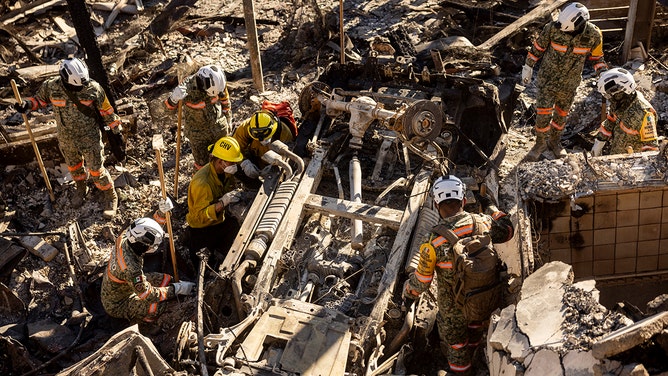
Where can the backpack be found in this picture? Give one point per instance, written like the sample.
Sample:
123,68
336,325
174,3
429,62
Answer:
283,111
477,289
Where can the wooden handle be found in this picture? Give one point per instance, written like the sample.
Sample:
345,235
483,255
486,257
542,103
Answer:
157,145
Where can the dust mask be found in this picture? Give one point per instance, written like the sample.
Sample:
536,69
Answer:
265,142
231,169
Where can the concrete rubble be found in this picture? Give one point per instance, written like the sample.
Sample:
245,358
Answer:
559,328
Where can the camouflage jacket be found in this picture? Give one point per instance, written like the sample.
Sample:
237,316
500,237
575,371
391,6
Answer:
436,255
563,55
125,277
200,111
73,124
253,149
204,191
631,122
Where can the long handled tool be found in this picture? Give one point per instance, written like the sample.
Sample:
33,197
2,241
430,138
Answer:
158,145
178,150
17,95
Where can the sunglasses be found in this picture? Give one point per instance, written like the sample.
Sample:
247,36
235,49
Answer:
260,133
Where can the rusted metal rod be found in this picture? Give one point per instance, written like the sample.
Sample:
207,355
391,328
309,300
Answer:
204,258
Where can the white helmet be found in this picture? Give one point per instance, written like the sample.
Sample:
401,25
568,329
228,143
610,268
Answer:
74,72
145,231
615,81
211,79
573,17
448,187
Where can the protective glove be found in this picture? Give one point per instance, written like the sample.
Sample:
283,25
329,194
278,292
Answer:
117,129
527,72
165,205
178,94
183,287
597,149
23,107
484,200
231,197
407,292
250,169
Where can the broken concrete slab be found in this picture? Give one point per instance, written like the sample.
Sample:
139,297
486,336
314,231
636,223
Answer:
49,336
579,363
630,336
545,363
39,247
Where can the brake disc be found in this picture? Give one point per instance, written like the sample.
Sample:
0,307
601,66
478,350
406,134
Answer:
183,341
308,101
422,118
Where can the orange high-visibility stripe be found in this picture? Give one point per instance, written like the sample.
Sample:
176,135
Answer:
169,106
544,129
114,124
439,241
560,111
459,346
604,131
458,368
557,126
544,110
538,46
196,106
559,47
581,50
533,57
444,265
58,102
424,278
600,66
119,253
627,130
75,167
166,279
103,187
464,230
111,276
153,308
144,294
86,102
612,117
649,148
95,173
107,112
498,214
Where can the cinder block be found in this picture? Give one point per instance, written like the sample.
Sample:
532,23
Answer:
605,220
649,231
663,262
626,234
605,267
607,252
605,236
605,203
624,266
651,199
647,263
583,269
560,240
648,248
649,216
582,254
628,201
560,224
563,255
625,250
627,217
586,222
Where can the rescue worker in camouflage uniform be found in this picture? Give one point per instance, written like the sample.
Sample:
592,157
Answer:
206,111
254,136
563,46
631,120
129,293
459,336
79,135
210,192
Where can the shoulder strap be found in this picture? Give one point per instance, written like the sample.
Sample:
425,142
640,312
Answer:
83,109
446,233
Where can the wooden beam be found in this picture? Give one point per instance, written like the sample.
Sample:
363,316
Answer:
355,210
545,7
638,26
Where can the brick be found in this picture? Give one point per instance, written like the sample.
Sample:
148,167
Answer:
582,254
582,239
627,218
586,222
560,224
626,234
648,248
647,263
605,220
604,236
650,216
663,262
606,252
605,203
663,246
583,269
587,203
625,250
628,201
649,232
563,255
664,214
651,199
560,240
605,267
623,266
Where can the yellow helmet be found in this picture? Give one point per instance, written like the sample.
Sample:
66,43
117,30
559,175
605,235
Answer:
263,125
227,149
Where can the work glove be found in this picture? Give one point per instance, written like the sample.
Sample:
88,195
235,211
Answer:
527,72
597,149
407,292
165,205
484,199
117,129
23,107
178,94
231,197
250,169
183,287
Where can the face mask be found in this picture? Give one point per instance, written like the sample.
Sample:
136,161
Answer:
265,142
231,169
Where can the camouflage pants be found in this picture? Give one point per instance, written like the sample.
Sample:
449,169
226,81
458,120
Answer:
135,309
459,337
552,106
90,151
200,139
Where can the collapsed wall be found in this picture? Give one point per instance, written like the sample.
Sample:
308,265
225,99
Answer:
559,328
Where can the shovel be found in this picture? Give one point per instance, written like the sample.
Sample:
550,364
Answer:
158,145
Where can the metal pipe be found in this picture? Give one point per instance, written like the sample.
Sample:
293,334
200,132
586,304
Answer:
273,158
400,338
355,172
279,147
143,362
337,176
204,257
237,289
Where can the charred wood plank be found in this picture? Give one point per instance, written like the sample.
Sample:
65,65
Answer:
355,210
174,11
